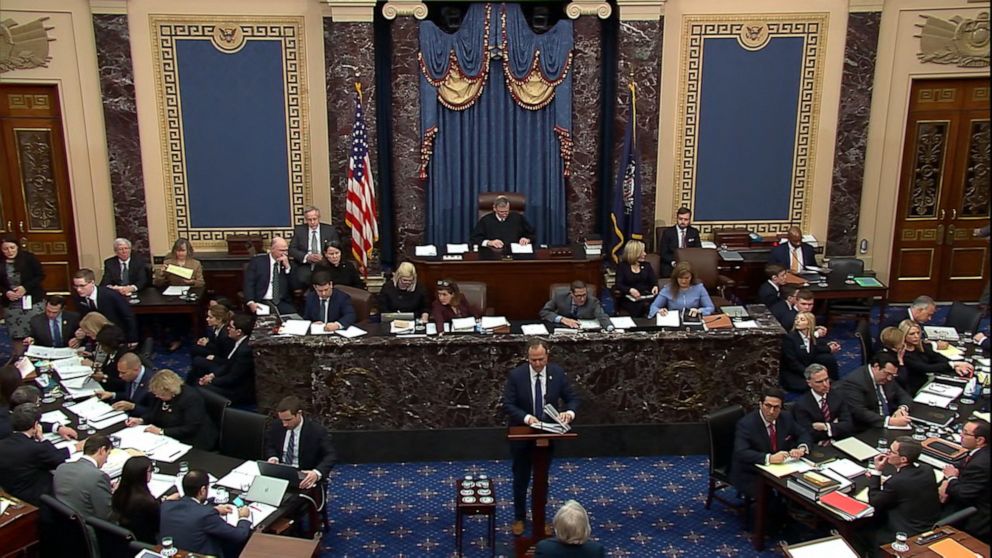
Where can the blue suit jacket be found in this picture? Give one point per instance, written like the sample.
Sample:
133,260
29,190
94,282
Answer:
339,308
142,398
199,528
751,445
518,394
781,255
257,277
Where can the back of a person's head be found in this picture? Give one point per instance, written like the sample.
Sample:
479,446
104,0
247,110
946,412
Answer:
25,394
111,336
95,443
134,482
24,417
194,481
572,523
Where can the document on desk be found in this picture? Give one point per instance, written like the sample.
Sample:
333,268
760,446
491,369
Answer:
241,476
951,352
56,416
834,547
108,421
87,389
493,322
170,451
67,373
160,484
589,325
516,248
623,322
425,250
745,324
534,329
25,367
184,272
175,290
670,319
942,333
257,513
351,332
136,438
92,408
50,353
790,466
463,325
456,248
857,449
845,467
295,327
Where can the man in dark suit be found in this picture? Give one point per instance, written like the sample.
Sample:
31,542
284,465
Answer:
125,272
765,436
81,484
236,379
680,235
874,399
302,443
90,298
785,309
823,413
306,246
908,501
56,327
528,388
27,461
135,398
200,528
794,255
968,485
982,341
502,227
267,278
769,291
29,393
325,305
567,308
920,311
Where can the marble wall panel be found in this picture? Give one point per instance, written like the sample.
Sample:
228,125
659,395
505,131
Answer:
852,133
408,198
120,113
586,122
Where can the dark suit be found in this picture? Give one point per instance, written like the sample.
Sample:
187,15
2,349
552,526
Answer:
140,396
4,421
26,466
971,488
299,248
137,272
112,305
236,379
907,502
782,255
257,278
510,230
795,359
858,390
806,411
785,314
752,445
315,450
561,306
893,319
339,309
185,419
518,402
670,245
219,344
42,333
553,548
768,294
199,528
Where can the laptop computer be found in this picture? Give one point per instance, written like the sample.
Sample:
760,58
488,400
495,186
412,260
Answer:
288,473
266,490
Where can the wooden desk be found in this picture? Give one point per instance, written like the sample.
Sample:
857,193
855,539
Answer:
19,529
924,551
264,545
153,302
516,289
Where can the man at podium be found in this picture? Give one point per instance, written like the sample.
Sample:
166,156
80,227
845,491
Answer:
528,387
502,227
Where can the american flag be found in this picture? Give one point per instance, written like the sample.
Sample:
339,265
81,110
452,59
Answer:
360,213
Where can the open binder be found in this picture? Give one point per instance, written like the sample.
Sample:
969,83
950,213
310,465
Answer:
558,427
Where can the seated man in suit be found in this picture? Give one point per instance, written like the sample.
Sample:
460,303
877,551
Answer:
90,298
56,327
528,388
81,484
769,291
502,227
785,309
794,255
236,379
267,278
968,485
907,502
302,443
824,414
577,304
874,399
305,247
325,305
135,398
920,311
765,436
29,393
125,272
679,235
200,528
26,460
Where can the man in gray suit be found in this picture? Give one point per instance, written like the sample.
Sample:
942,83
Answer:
81,484
566,309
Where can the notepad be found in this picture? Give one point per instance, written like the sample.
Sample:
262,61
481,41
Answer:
425,250
516,248
184,272
175,290
857,449
623,322
493,322
534,329
790,466
670,319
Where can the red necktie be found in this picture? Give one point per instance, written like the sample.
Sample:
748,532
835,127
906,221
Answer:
825,410
773,437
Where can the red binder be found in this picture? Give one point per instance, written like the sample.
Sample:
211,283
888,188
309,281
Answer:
845,503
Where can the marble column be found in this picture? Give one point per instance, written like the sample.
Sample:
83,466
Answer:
586,121
127,185
408,191
852,132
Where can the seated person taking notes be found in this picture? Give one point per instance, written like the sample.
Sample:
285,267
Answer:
502,227
636,279
683,292
178,412
567,308
304,444
451,303
325,305
765,436
197,527
404,294
874,399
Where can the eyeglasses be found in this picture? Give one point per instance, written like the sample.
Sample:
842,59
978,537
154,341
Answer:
771,407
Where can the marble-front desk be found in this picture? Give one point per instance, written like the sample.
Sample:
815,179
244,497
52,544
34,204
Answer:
455,381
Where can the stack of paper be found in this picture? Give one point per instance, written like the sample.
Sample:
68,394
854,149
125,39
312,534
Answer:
136,438
170,451
938,395
463,325
493,322
240,477
670,319
787,468
623,322
160,484
81,388
534,329
589,324
295,327
50,353
91,409
846,467
856,448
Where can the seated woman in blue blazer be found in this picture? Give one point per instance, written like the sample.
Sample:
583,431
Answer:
683,292
572,532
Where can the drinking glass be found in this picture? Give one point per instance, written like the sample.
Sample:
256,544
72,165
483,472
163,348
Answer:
168,551
900,545
882,445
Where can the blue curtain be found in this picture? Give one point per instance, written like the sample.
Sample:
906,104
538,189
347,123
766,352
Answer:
493,143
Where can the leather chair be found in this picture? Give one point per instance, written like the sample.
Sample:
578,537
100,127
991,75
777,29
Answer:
74,538
863,333
475,293
216,404
721,426
243,435
854,308
113,540
955,517
705,265
518,202
138,546
557,288
963,317
360,299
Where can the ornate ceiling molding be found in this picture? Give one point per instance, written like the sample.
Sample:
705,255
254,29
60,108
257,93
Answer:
396,8
361,11
641,10
577,8
24,46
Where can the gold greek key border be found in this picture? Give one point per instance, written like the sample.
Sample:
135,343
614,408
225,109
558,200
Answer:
812,28
289,31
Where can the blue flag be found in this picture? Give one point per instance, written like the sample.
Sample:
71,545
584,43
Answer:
625,218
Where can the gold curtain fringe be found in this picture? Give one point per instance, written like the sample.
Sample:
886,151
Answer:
427,150
565,150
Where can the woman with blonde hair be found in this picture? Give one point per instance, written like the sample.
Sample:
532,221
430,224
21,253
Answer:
572,532
404,293
179,412
921,360
800,348
635,279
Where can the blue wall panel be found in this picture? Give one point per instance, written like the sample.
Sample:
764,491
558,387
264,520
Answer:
234,127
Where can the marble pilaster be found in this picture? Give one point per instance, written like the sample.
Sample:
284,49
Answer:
586,121
408,191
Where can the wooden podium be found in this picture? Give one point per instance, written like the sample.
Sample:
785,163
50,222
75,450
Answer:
541,463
